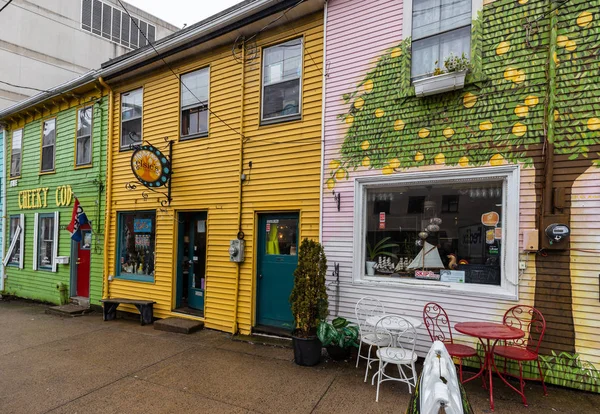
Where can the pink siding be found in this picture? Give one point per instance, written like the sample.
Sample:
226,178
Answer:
357,32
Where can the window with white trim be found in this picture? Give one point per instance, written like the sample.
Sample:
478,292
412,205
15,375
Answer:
439,28
83,148
48,145
436,229
45,241
14,255
131,117
194,103
16,153
282,81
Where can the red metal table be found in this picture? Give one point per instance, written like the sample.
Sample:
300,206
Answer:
487,332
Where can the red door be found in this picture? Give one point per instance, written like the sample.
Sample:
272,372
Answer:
83,262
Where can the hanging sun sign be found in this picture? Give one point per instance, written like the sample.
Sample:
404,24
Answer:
150,166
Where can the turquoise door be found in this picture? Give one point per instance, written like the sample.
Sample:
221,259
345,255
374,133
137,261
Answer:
277,260
191,271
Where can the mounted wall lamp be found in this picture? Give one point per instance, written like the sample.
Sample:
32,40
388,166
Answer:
336,198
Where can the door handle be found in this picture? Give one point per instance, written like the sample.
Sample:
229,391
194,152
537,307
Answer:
78,261
260,276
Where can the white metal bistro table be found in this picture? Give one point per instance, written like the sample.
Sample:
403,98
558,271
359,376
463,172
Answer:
394,325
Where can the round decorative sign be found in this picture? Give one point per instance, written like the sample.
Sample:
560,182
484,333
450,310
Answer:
150,166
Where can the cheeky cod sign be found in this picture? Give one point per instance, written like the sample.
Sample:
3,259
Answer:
150,166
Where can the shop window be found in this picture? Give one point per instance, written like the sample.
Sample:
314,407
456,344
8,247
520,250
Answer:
83,149
131,118
440,245
282,237
194,104
136,255
439,28
16,153
14,255
48,145
281,81
45,243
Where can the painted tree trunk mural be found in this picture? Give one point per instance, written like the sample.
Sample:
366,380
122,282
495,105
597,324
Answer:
531,98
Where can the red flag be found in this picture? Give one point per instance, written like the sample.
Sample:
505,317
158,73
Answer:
74,224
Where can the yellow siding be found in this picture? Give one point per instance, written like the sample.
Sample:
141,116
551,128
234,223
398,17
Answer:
285,173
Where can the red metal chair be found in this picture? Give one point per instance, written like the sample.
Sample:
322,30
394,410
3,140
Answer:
436,321
532,322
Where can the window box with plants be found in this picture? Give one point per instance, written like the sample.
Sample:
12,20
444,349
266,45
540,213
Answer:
444,80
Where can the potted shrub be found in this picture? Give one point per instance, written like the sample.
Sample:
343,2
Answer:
309,302
443,80
338,337
378,250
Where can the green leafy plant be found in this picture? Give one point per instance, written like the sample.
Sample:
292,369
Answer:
379,249
457,63
339,332
309,295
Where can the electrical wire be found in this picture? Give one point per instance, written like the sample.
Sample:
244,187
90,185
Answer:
23,87
6,5
179,77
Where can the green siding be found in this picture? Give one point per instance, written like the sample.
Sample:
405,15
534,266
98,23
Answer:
88,186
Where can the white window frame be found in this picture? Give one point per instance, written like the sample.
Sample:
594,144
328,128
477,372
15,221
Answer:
12,144
197,105
36,227
476,6
53,147
13,243
78,137
510,174
277,119
126,147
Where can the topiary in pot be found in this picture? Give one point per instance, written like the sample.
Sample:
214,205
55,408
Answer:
309,302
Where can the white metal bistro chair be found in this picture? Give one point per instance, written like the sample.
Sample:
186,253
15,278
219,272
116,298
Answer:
400,352
365,308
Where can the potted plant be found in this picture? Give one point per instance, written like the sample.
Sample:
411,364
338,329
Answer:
309,302
338,337
443,80
378,250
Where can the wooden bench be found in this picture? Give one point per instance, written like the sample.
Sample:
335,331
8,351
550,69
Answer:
109,308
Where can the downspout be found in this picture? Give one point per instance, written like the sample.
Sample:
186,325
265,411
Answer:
323,85
2,273
107,213
547,207
234,327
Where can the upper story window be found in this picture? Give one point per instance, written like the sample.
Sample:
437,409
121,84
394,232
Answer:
83,147
16,153
282,81
113,24
439,28
194,103
131,117
48,145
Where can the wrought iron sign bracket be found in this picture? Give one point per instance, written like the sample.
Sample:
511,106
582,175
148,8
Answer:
153,170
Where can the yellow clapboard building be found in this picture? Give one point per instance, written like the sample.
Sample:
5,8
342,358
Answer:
214,165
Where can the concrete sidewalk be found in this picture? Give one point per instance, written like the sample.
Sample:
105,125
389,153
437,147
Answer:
85,365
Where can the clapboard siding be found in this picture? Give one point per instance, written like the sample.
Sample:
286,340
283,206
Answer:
45,285
285,171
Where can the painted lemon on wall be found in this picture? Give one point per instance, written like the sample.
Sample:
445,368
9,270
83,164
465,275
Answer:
399,125
359,103
593,124
387,170
522,111
340,174
439,159
396,52
364,145
349,120
561,40
519,129
379,113
532,100
330,183
366,161
496,160
556,115
367,86
485,126
570,45
448,132
334,164
503,47
469,100
463,161
419,156
423,133
584,19
395,163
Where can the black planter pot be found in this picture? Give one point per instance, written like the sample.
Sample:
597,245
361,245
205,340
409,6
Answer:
307,351
337,353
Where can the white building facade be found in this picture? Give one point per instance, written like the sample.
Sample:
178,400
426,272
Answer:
49,42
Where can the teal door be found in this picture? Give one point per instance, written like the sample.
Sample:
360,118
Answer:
277,260
191,269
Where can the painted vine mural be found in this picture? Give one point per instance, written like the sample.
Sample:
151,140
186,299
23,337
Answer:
533,83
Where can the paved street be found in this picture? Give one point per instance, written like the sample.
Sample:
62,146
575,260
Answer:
50,364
